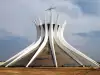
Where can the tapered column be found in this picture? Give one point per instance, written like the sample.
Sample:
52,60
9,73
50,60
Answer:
42,45
28,50
51,40
73,49
21,52
59,43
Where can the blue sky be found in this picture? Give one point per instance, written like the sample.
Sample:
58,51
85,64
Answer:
82,29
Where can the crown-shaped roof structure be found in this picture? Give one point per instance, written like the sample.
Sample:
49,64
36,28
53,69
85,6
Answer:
50,49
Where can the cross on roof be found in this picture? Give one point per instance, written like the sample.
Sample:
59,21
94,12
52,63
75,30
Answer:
51,8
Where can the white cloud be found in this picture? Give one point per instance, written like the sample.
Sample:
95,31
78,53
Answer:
16,16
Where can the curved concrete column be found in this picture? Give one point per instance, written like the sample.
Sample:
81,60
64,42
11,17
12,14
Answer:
51,40
30,49
59,43
42,45
73,49
38,36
